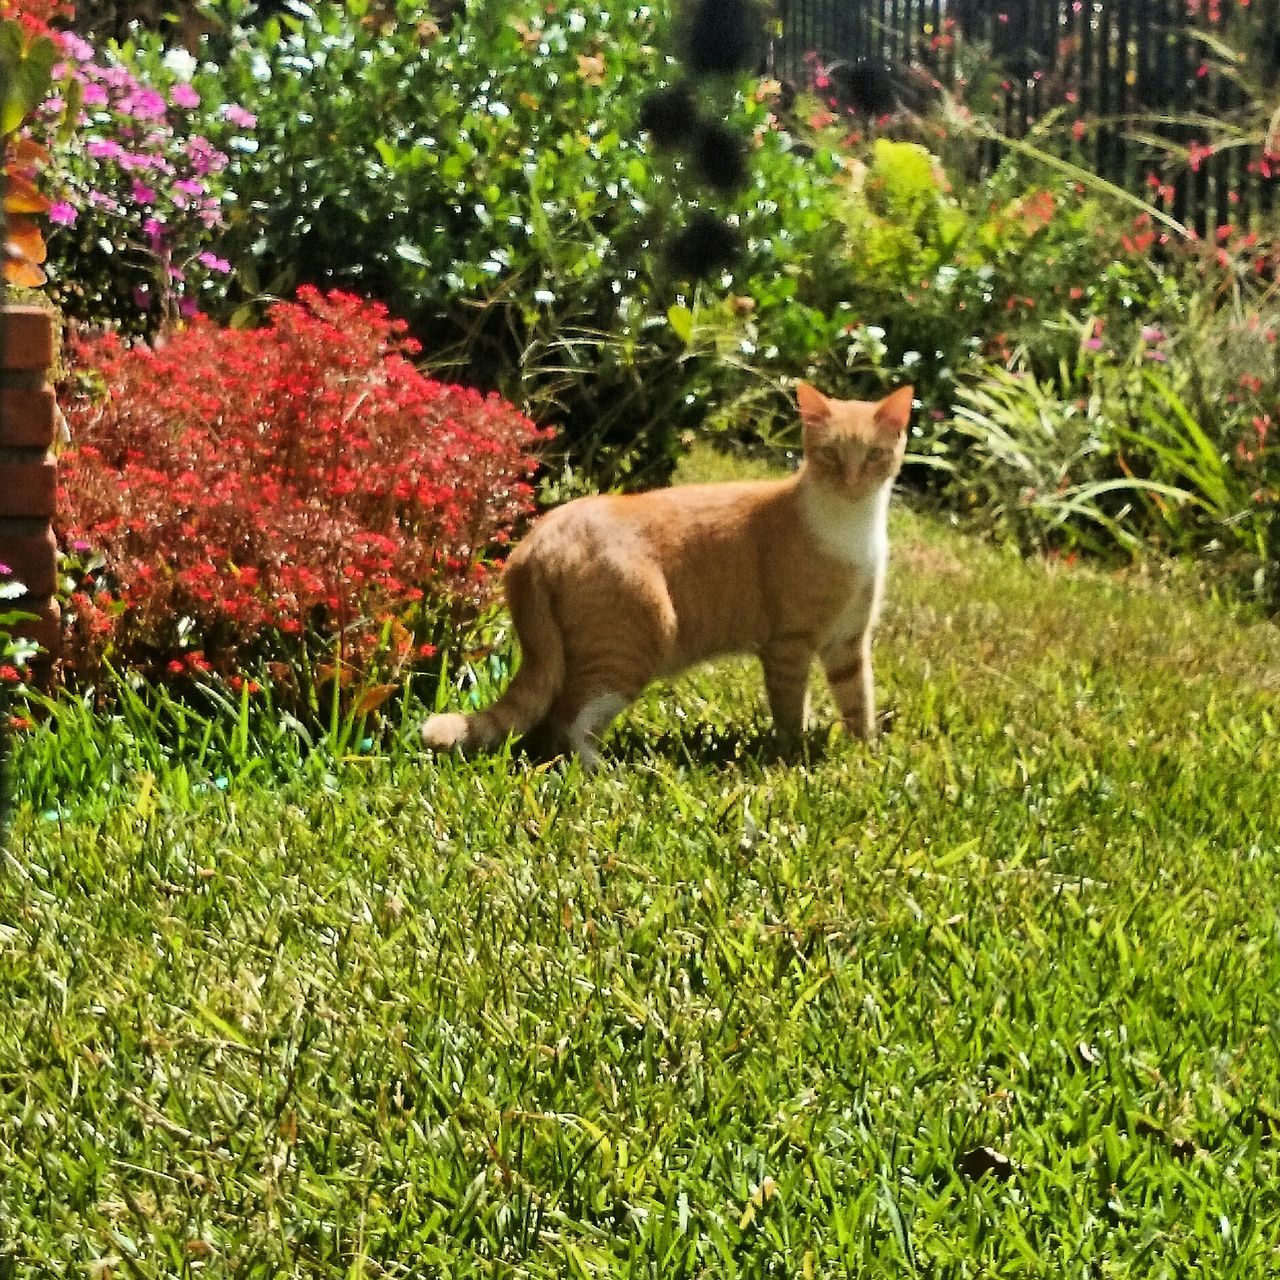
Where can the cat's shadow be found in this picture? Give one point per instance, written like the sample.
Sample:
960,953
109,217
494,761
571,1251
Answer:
716,745
693,744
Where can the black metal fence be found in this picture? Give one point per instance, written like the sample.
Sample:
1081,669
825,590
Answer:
1119,73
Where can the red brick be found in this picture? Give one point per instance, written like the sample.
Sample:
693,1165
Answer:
27,337
28,488
26,418
32,559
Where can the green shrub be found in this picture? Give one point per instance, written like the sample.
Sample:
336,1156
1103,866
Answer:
491,184
1113,452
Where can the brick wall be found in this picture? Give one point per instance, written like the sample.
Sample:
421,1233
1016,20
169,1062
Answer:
28,473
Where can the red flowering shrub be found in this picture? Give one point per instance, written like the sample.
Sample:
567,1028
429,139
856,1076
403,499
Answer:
234,493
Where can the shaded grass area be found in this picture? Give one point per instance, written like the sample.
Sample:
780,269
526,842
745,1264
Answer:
709,1012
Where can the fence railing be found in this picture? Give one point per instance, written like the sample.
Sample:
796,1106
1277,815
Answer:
1140,86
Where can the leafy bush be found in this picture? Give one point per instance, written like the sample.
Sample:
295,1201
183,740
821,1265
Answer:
27,54
230,495
511,216
517,219
1115,451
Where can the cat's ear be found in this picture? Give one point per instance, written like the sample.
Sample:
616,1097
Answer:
815,411
893,413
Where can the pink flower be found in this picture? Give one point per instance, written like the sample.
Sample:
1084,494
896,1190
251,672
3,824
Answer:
204,156
93,95
104,149
62,214
117,78
239,117
143,104
183,95
1151,334
142,193
1159,356
214,263
74,46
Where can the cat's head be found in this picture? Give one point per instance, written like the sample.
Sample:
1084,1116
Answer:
854,446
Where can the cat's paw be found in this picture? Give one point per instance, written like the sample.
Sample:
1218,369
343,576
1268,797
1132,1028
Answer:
444,732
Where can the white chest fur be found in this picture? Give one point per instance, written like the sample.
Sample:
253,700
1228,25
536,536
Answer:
854,531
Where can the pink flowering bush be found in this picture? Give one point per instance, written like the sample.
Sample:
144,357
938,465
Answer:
138,193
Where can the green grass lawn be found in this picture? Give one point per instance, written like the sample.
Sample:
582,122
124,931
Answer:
709,1012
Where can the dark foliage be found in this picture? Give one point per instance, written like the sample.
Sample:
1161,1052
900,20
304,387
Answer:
869,88
722,37
706,245
670,116
720,157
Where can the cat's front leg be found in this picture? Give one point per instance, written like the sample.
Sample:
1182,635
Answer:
786,680
848,668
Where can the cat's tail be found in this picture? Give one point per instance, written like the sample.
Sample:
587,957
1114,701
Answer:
529,696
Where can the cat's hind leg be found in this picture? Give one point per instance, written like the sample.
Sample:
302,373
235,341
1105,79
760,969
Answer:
626,640
584,732
599,686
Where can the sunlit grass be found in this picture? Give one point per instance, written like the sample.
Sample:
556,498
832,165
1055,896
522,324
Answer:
708,1012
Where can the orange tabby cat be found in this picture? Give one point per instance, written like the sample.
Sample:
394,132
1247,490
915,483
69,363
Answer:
608,593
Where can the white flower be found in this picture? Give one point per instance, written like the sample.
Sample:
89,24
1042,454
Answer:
181,63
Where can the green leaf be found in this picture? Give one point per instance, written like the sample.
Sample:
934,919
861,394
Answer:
29,81
681,321
73,95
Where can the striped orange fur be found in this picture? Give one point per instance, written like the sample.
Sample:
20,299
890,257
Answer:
608,593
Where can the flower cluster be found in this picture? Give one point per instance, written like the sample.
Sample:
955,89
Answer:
237,492
134,181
